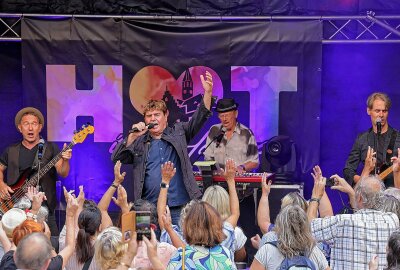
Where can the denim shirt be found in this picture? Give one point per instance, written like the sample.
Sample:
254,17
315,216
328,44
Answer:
179,135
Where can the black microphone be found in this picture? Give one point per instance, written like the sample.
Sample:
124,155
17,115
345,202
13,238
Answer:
379,125
149,126
40,149
219,137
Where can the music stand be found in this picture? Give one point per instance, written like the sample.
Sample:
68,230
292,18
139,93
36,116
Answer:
207,168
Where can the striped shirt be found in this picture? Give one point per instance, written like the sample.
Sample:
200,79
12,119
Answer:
355,238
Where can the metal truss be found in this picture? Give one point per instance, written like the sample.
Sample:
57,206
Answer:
336,29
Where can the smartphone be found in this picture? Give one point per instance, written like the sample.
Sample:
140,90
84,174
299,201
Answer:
143,224
128,225
330,182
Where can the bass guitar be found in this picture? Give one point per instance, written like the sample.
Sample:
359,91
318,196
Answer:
31,179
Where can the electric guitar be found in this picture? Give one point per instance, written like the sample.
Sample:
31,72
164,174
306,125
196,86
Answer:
30,179
385,173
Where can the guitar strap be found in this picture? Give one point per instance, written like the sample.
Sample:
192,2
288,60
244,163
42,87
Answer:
389,151
13,164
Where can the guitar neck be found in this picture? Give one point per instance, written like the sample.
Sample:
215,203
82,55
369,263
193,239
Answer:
34,180
385,173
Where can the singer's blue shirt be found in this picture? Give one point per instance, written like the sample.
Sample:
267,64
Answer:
161,151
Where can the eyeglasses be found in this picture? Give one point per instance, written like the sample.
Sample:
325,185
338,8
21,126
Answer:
33,124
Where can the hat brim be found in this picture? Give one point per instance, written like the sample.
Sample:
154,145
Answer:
28,110
228,109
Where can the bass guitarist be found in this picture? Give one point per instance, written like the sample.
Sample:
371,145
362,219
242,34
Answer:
26,154
380,143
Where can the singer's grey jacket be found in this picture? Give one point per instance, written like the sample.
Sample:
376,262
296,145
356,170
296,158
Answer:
178,136
359,152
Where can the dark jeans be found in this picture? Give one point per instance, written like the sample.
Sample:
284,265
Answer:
51,221
176,214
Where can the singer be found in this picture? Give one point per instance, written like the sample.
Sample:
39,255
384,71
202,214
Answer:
147,149
376,146
25,154
232,140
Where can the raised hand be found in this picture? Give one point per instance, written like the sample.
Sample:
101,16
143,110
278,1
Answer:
118,176
207,82
396,161
37,201
122,199
370,161
167,172
317,173
266,187
230,170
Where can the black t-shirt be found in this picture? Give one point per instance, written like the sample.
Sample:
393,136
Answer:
7,262
26,158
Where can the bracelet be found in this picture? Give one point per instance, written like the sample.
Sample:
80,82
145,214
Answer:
124,264
315,200
114,185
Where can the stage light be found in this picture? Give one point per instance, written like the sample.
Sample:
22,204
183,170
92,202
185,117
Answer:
279,157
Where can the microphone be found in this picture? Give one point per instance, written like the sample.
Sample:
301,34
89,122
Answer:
379,125
219,137
149,126
40,149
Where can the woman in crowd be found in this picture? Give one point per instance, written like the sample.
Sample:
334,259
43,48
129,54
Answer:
293,238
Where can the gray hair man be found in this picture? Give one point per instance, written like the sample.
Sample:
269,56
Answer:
33,252
354,238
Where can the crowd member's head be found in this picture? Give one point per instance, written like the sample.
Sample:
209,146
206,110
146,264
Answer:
389,203
395,192
27,227
89,222
33,252
227,112
156,111
29,121
218,197
378,105
294,198
184,212
393,251
144,205
109,248
203,226
294,231
11,219
368,192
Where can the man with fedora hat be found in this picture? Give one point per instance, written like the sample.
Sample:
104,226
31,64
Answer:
231,139
24,155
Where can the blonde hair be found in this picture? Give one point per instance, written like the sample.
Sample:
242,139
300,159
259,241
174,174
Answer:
294,232
109,248
218,197
155,105
379,95
296,199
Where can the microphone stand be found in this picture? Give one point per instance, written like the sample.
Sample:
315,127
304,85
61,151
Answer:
208,145
376,146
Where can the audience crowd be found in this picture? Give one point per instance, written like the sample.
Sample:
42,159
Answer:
306,234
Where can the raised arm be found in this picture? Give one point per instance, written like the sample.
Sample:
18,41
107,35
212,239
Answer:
342,185
317,193
71,211
229,174
167,172
107,197
325,206
207,83
263,215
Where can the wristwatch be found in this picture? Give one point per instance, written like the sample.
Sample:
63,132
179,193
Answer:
164,185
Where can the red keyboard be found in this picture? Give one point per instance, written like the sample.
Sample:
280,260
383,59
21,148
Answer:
245,179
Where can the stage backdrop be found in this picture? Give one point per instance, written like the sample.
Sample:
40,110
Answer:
104,70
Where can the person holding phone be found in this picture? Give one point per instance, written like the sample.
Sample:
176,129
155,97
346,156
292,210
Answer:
146,149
